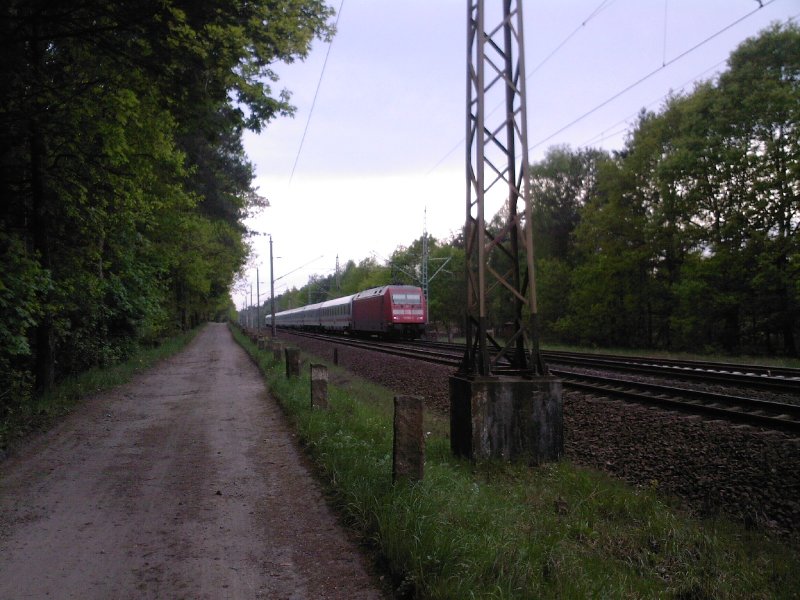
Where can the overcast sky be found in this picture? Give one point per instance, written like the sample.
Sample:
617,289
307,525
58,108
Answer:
385,140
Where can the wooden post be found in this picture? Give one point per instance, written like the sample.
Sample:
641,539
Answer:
336,356
292,362
319,386
408,449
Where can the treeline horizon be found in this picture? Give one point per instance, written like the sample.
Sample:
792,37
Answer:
687,239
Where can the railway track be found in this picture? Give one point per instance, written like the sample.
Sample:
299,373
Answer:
751,411
775,379
732,407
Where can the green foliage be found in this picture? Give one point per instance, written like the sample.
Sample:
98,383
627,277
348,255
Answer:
22,283
447,288
688,239
357,277
561,185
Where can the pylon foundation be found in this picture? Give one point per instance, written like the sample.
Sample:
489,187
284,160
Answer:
508,418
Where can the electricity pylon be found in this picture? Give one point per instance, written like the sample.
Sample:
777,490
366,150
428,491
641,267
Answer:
497,166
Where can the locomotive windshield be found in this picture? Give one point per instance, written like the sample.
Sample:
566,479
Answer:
406,299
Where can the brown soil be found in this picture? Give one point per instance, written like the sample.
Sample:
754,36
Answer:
185,483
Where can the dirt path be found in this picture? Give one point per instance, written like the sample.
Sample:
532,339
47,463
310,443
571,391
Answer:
184,483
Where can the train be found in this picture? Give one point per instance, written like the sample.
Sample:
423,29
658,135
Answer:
389,311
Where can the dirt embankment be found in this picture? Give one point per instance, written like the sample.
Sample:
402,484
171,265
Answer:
185,483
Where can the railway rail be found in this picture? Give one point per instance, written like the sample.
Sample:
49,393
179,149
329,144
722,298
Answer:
752,411
776,379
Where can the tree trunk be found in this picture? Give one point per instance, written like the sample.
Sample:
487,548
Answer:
45,361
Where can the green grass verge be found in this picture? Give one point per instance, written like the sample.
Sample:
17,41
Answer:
493,530
41,412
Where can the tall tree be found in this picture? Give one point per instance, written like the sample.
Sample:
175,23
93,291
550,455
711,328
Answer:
690,239
760,112
561,184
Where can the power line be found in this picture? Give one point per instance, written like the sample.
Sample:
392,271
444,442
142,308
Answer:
664,50
314,101
604,135
600,8
649,75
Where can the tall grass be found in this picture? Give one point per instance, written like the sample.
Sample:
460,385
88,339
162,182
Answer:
42,411
494,530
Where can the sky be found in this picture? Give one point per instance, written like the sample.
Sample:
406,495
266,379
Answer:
381,157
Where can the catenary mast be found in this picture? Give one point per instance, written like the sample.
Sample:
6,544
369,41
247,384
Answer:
503,404
497,164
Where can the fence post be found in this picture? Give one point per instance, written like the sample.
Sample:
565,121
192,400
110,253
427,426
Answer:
292,362
277,351
319,386
408,448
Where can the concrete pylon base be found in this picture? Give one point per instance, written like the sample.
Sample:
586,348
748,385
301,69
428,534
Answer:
508,418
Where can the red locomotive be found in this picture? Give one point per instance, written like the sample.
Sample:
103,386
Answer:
388,311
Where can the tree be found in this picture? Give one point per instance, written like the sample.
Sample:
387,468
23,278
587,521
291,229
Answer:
607,302
690,238
760,110
447,289
561,184
122,165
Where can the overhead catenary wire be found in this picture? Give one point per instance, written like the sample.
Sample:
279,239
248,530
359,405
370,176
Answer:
598,9
604,134
650,74
665,63
316,93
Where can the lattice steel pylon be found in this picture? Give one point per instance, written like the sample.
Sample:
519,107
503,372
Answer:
497,157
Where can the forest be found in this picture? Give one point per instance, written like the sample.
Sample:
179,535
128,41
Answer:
124,181
686,239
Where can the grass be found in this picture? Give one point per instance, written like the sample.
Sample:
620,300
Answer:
42,411
494,530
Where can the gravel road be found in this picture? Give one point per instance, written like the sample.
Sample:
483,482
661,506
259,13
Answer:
185,483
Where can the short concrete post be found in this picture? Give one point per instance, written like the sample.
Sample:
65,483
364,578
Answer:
336,356
319,386
261,343
292,362
277,351
408,449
